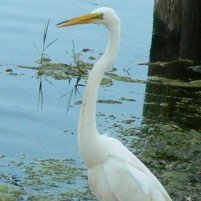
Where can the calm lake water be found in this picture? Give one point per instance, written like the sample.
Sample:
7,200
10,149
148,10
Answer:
36,135
23,123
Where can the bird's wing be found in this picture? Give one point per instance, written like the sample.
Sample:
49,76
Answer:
129,183
124,182
129,179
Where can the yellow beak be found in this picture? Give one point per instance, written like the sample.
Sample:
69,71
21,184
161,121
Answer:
84,19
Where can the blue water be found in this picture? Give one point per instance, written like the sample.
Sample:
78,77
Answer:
47,130
24,127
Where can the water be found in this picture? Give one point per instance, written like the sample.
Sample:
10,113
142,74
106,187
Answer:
39,137
26,130
23,124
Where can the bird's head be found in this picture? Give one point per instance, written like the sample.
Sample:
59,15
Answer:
103,15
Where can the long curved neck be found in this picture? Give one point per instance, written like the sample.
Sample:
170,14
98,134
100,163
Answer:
87,123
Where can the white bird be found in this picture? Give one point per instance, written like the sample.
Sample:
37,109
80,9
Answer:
114,173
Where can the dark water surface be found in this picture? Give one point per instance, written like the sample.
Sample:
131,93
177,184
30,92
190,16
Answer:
39,156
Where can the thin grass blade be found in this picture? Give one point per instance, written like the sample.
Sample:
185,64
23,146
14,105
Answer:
51,43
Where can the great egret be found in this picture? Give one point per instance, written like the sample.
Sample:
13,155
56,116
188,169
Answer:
114,173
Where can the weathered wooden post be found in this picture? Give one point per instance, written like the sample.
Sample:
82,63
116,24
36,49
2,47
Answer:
175,54
173,95
176,31
166,30
190,43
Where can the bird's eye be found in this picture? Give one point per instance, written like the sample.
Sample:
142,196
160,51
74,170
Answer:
101,15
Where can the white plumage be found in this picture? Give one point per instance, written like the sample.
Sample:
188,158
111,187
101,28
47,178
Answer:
114,173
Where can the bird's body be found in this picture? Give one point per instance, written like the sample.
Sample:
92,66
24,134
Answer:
114,173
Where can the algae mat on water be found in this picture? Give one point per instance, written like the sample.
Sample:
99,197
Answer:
172,153
42,180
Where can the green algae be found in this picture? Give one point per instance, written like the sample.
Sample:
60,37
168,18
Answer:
173,82
106,82
123,78
175,155
78,102
92,58
171,152
86,50
195,83
179,62
127,99
11,192
9,70
45,179
109,101
106,101
61,71
51,172
128,121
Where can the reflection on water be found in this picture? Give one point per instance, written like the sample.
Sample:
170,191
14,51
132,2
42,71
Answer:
177,103
172,113
181,105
